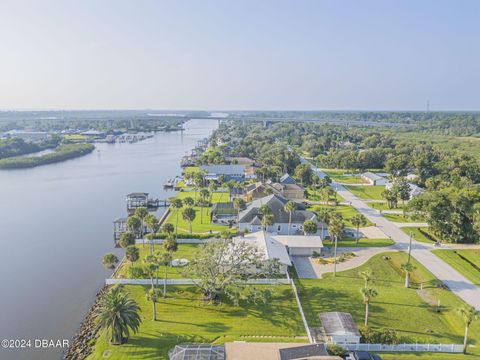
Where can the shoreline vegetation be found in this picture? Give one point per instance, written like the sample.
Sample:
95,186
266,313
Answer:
61,153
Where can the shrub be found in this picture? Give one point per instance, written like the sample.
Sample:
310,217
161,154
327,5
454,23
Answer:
336,350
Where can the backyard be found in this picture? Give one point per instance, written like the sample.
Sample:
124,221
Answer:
185,251
184,318
411,312
201,224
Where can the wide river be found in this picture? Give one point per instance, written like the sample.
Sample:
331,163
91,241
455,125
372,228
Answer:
56,224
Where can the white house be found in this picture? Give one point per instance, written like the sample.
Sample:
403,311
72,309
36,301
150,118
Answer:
373,179
340,328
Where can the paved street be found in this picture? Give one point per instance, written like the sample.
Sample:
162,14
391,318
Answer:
460,285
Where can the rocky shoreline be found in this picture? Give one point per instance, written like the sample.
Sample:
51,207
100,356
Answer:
83,341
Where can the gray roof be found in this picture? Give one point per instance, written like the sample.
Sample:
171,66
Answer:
339,323
197,352
223,169
135,194
372,176
287,179
303,352
276,204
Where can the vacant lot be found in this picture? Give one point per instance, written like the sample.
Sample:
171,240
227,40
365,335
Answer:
343,176
347,211
410,312
184,318
367,192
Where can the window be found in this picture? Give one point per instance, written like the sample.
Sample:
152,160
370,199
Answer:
279,227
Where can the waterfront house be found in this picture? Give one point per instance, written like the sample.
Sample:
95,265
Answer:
373,179
293,245
242,350
119,227
229,172
250,218
339,328
137,199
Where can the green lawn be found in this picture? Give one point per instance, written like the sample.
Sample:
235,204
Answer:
402,219
363,242
201,224
384,206
340,175
347,212
417,234
183,318
464,261
367,192
185,251
411,313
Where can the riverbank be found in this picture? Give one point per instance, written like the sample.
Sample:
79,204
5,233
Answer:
83,341
61,153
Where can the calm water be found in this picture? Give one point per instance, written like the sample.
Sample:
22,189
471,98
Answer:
56,224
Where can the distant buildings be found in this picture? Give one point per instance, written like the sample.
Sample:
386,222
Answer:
29,136
373,179
230,172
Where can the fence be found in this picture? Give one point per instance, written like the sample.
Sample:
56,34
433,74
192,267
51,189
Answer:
179,241
187,281
304,319
447,348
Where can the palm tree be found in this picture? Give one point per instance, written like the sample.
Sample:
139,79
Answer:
110,260
267,220
238,204
469,314
154,226
188,201
131,253
324,217
118,314
335,229
367,276
141,213
126,239
203,199
154,295
177,205
188,214
134,224
151,266
290,207
168,228
170,244
368,295
165,258
407,268
309,227
357,221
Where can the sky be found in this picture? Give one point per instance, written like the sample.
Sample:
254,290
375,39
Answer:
240,55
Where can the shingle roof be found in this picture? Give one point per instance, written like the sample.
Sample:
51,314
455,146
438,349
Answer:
302,352
271,248
276,204
372,176
339,323
287,179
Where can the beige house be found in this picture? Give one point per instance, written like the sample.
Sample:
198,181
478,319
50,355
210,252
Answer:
240,350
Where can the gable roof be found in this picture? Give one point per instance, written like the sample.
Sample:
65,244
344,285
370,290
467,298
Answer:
287,179
271,248
372,176
276,204
339,323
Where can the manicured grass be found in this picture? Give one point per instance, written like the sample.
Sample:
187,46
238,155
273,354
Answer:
347,211
191,170
384,206
410,312
417,234
362,242
402,219
367,192
184,318
185,251
340,175
202,223
464,261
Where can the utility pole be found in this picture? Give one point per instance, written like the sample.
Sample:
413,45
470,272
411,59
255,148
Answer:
410,248
335,258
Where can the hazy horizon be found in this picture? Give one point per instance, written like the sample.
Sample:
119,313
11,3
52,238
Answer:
238,56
